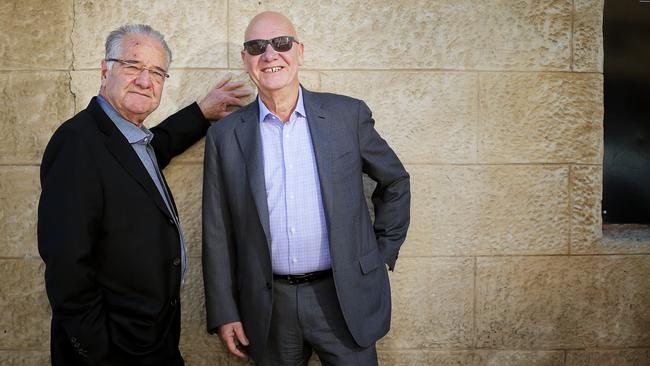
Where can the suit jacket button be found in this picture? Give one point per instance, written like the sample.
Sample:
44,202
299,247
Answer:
176,261
173,302
268,285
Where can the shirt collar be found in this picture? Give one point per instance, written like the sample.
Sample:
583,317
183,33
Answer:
133,133
265,112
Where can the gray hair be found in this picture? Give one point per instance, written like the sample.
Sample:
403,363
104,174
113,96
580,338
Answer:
114,40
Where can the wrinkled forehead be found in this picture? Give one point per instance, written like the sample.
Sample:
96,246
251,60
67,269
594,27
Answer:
268,27
144,49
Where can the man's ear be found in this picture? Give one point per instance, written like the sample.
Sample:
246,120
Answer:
242,56
301,54
104,73
104,70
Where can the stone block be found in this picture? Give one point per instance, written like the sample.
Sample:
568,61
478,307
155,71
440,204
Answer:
541,118
588,36
197,346
33,105
35,34
465,35
19,193
194,334
471,358
621,239
516,358
235,361
25,358
619,357
488,210
186,184
563,302
196,34
205,358
432,304
586,218
465,358
426,117
84,85
25,319
427,357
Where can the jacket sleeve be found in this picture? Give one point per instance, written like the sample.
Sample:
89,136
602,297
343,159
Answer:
218,243
178,132
391,197
68,213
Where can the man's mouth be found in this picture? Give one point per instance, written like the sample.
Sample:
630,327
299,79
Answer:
142,94
273,69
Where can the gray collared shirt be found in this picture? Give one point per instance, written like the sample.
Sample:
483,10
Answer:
140,139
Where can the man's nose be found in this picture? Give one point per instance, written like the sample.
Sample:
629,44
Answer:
144,79
269,53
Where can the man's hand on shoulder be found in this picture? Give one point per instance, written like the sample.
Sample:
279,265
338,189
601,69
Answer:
227,92
233,336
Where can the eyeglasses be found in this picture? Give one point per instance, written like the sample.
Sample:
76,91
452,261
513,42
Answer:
134,68
280,44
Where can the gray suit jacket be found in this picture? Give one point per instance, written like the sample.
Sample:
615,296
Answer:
237,269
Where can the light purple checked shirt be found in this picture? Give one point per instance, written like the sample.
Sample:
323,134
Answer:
299,237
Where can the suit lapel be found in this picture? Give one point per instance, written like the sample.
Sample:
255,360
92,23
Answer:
320,126
250,143
117,145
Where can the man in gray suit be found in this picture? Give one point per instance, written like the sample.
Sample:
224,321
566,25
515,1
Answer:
292,262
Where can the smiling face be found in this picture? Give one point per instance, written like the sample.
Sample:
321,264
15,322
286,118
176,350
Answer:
273,71
134,97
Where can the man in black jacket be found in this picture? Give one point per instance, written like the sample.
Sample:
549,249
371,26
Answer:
108,228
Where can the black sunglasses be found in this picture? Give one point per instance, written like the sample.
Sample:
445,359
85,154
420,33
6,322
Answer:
280,44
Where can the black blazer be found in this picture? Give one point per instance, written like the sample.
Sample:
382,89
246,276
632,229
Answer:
110,245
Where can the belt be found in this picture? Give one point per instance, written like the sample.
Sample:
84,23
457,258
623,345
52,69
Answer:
296,279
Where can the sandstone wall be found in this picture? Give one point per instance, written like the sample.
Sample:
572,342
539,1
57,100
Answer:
494,106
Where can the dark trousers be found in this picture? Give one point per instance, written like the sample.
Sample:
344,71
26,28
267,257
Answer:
307,318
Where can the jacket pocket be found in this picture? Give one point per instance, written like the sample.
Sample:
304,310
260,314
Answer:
370,261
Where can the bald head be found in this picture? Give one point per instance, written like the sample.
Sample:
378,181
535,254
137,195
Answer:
274,71
269,22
